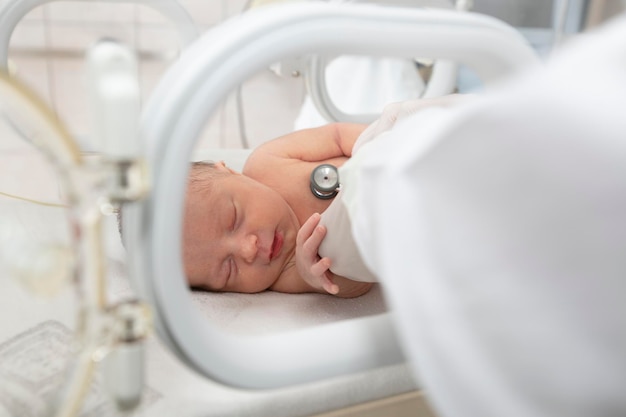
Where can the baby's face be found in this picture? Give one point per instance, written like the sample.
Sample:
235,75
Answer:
238,236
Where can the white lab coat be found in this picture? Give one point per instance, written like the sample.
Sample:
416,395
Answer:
498,230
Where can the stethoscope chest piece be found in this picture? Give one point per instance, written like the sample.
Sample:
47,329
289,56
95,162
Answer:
325,181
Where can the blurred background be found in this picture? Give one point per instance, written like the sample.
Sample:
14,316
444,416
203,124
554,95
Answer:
48,45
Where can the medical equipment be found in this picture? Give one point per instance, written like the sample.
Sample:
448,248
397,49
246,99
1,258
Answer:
105,331
330,84
336,102
324,181
176,113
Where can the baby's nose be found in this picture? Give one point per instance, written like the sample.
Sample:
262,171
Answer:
249,248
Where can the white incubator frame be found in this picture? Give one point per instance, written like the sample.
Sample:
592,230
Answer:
173,119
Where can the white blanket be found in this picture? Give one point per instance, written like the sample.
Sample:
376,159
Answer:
339,243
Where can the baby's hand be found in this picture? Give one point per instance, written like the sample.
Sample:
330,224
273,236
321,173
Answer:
313,269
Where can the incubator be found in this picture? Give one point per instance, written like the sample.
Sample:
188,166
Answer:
184,100
143,171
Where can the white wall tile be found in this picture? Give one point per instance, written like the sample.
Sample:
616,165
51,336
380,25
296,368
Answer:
150,73
35,14
69,95
91,11
166,15
29,35
206,13
211,135
28,174
33,72
80,37
163,40
271,105
150,15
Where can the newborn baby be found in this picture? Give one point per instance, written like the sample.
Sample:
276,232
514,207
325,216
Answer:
260,229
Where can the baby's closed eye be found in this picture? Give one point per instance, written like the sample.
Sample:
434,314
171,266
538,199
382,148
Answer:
233,223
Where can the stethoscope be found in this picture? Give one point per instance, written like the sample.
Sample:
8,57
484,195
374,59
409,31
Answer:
325,181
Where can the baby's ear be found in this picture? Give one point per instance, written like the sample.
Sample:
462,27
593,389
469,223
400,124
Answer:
222,165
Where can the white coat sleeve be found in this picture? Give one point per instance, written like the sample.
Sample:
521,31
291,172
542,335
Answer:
498,231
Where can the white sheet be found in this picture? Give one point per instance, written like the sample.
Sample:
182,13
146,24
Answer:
499,231
339,243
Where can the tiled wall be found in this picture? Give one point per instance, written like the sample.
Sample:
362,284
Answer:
48,45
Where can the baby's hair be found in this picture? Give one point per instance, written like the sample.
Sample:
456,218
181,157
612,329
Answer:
201,176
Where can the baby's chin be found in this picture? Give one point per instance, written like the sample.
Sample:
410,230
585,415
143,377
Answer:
289,244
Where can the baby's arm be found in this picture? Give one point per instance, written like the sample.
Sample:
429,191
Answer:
315,270
323,143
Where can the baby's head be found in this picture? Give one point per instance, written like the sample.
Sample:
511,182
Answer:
238,234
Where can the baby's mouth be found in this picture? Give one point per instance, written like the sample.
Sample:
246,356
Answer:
277,245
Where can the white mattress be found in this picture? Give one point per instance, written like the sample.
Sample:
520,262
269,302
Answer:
184,391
